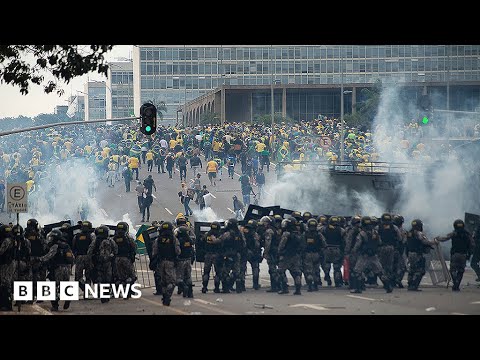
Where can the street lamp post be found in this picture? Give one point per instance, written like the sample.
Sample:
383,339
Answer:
342,127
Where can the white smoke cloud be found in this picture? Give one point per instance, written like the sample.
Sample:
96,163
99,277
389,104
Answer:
206,215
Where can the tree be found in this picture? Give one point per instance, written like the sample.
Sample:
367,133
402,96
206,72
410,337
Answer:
161,107
367,109
209,118
63,62
267,119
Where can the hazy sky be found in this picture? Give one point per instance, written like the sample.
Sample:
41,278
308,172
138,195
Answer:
13,103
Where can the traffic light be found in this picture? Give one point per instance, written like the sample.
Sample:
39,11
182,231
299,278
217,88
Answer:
148,115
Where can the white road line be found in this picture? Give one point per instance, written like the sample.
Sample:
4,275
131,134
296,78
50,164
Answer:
361,297
205,302
237,174
310,306
41,310
104,212
233,212
169,211
213,196
178,311
475,302
154,196
119,195
266,192
457,313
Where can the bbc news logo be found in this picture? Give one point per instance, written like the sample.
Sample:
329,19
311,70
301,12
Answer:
23,290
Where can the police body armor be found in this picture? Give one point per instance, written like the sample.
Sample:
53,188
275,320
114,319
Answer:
460,242
333,236
22,251
82,242
370,246
414,244
250,238
230,244
8,256
166,247
123,244
186,247
355,233
210,247
291,246
35,243
64,255
312,242
388,235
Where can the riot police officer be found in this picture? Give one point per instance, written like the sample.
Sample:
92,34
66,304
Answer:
212,256
59,260
417,246
391,238
271,239
165,250
314,245
185,260
80,244
462,248
23,267
335,237
233,244
253,252
102,252
7,267
400,266
351,239
124,269
38,246
289,250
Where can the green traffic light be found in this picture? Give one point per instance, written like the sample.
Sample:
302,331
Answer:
148,128
425,120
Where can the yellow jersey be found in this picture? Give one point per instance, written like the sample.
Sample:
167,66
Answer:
260,147
212,166
149,155
29,184
172,143
133,162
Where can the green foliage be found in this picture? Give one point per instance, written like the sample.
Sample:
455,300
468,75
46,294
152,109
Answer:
267,119
63,62
161,107
209,118
367,109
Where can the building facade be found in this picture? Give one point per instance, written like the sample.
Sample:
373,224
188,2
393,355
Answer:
95,100
120,90
179,74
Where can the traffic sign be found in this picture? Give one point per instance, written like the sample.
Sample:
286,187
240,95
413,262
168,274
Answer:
325,142
17,198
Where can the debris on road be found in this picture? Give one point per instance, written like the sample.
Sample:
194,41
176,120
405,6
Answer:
195,313
372,312
430,309
187,303
263,306
220,300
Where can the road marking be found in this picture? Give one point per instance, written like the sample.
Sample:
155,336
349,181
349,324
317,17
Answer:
154,196
213,196
475,302
361,297
165,307
169,211
104,212
118,195
224,312
233,212
205,302
457,313
266,192
41,310
310,306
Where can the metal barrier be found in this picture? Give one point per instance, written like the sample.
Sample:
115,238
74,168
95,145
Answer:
437,267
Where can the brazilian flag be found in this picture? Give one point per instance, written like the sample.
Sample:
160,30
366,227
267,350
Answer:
139,239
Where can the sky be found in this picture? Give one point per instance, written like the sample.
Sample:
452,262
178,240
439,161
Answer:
13,103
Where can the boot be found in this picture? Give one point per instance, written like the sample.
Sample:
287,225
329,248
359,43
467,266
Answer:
310,287
275,287
217,289
225,287
204,287
256,285
328,280
284,288
315,286
55,305
356,286
387,286
66,305
297,289
400,285
166,301
238,284
180,288
190,291
242,286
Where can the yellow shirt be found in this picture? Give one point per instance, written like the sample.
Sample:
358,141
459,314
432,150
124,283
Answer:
149,155
31,174
88,149
68,145
216,145
107,150
212,166
29,184
133,162
172,143
34,162
115,158
6,157
260,147
64,153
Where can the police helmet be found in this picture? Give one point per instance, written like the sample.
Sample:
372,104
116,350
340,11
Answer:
367,221
356,220
333,221
166,226
251,224
342,221
386,218
5,231
56,235
278,219
417,224
459,224
155,223
286,223
266,220
398,220
32,224
297,215
102,232
307,215
122,227
374,220
312,224
215,225
182,230
86,225
231,224
181,221
17,230
65,226
322,219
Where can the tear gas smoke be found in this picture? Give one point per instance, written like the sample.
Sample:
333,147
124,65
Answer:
206,215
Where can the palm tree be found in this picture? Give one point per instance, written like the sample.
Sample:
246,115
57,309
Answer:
161,107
